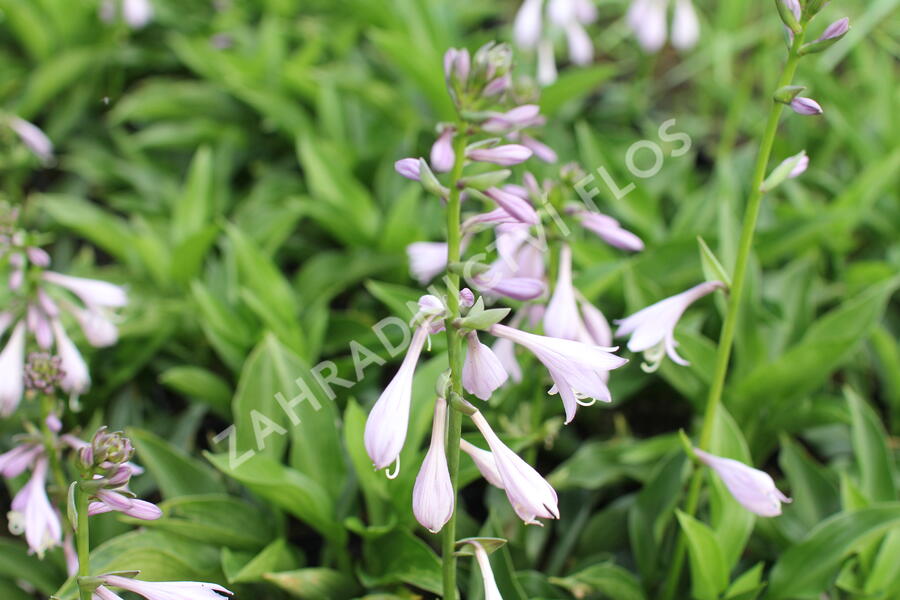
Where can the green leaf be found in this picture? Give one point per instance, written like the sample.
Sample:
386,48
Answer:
573,84
400,557
712,268
709,574
176,473
806,569
870,448
286,488
315,584
748,585
193,209
277,556
814,493
607,579
200,384
16,563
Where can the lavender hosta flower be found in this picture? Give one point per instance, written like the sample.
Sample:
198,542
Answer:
408,167
491,592
97,327
800,167
442,156
520,116
836,30
505,155
482,371
485,462
541,150
571,16
137,13
609,230
387,423
652,329
546,63
433,497
160,590
76,378
581,50
33,515
753,489
70,554
517,288
528,24
12,371
529,494
647,20
39,325
805,106
427,260
596,327
92,292
457,65
518,208
112,500
33,138
578,370
15,461
561,319
38,256
685,25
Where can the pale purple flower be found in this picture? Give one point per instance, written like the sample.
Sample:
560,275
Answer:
12,371
466,298
113,500
541,150
389,419
98,329
596,327
427,260
408,167
498,85
482,371
517,288
485,462
753,489
652,329
33,515
805,106
161,590
92,292
527,25
457,64
529,494
76,378
577,369
570,16
35,139
38,256
561,319
647,19
505,155
137,13
442,156
70,554
39,325
581,50
518,208
609,230
520,116
800,167
546,63
14,462
685,25
794,6
433,496
835,30
491,592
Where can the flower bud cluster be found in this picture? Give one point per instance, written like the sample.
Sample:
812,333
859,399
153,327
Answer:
43,373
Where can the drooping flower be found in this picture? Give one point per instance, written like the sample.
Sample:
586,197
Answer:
442,156
517,288
753,489
482,371
160,590
33,515
433,497
76,378
505,155
14,462
805,106
113,500
609,230
515,118
93,292
137,13
485,462
491,592
33,138
561,319
98,328
528,24
518,208
647,19
652,329
529,494
387,423
12,371
578,370
427,260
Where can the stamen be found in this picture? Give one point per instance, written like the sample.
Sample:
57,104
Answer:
396,472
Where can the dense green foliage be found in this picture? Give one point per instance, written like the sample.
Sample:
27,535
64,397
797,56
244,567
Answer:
232,165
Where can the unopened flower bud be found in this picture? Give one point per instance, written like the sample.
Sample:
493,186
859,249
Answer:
805,106
832,34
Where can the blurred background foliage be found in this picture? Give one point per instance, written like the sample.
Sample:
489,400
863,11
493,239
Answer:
231,163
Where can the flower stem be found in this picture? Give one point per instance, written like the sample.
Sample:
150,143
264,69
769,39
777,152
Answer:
59,477
726,338
455,355
83,538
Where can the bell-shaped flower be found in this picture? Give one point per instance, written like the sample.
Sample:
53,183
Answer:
33,138
442,156
753,489
389,419
137,13
160,590
33,515
485,462
96,325
561,319
14,462
118,501
92,292
491,592
529,494
647,19
596,328
76,378
578,370
505,155
517,288
12,371
609,230
527,25
433,495
482,371
652,329
685,25
39,325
